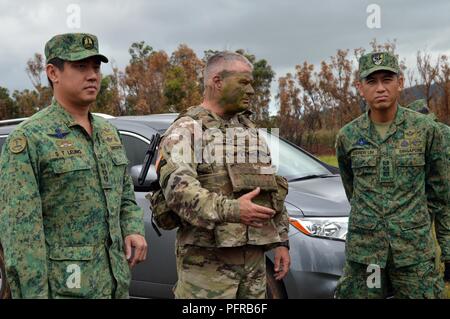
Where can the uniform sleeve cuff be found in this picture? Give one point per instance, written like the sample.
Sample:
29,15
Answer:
231,211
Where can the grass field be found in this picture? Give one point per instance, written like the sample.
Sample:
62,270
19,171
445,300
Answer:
329,159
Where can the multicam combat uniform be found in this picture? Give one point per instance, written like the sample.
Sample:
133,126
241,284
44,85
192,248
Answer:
394,185
66,206
217,256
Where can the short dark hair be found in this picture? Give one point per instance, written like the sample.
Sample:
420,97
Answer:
59,64
222,61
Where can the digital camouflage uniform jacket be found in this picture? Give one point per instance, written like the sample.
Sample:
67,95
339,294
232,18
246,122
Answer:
394,186
66,206
201,194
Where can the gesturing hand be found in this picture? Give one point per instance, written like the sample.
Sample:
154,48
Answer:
252,214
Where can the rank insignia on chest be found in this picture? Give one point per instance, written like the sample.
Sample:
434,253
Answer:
404,143
386,170
59,134
64,144
410,133
111,139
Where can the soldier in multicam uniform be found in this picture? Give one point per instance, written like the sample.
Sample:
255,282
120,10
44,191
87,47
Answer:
394,174
69,222
228,212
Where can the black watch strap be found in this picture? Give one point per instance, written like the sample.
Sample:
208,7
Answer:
284,244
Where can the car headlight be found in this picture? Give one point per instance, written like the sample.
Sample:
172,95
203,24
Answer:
326,227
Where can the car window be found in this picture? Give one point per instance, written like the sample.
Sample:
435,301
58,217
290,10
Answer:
135,149
290,161
2,141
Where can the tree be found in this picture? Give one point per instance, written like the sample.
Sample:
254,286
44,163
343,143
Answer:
427,73
139,52
290,109
183,86
144,82
27,102
43,94
443,83
8,109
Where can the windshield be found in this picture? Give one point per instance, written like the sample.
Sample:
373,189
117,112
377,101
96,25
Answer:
290,161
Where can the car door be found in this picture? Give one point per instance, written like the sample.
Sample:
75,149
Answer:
155,277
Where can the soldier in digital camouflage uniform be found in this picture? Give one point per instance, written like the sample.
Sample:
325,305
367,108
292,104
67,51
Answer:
68,216
422,107
394,173
228,213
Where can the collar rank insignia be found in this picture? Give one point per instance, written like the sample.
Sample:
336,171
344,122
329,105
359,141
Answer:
59,133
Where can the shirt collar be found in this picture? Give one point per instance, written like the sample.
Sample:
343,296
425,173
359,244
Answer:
65,117
399,118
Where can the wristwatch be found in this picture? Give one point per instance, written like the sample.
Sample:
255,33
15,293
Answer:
284,244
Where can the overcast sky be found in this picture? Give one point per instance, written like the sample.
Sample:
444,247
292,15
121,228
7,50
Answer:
285,32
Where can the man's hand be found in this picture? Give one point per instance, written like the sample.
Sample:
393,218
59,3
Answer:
140,249
252,214
282,262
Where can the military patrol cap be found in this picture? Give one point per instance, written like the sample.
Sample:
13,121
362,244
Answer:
377,61
73,47
419,106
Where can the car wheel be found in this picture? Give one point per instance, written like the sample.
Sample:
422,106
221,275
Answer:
4,289
275,288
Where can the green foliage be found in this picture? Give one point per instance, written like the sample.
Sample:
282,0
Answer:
139,51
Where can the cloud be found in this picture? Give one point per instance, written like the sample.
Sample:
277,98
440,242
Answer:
285,32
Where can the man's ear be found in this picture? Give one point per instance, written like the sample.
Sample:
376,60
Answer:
217,80
52,73
401,82
359,87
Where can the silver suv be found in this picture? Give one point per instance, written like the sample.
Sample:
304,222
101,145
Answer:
316,203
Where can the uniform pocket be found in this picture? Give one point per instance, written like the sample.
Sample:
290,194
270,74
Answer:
69,173
216,182
69,165
410,170
416,220
362,221
119,158
72,272
361,163
365,170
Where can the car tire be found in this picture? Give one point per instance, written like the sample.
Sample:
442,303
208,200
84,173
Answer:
4,289
275,288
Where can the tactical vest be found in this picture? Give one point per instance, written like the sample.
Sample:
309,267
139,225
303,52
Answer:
232,180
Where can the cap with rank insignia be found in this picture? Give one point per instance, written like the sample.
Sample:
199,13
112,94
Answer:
377,61
73,47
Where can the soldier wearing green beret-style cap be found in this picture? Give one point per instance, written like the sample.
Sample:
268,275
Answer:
394,174
70,226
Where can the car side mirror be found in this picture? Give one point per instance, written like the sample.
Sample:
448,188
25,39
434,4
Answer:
135,171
